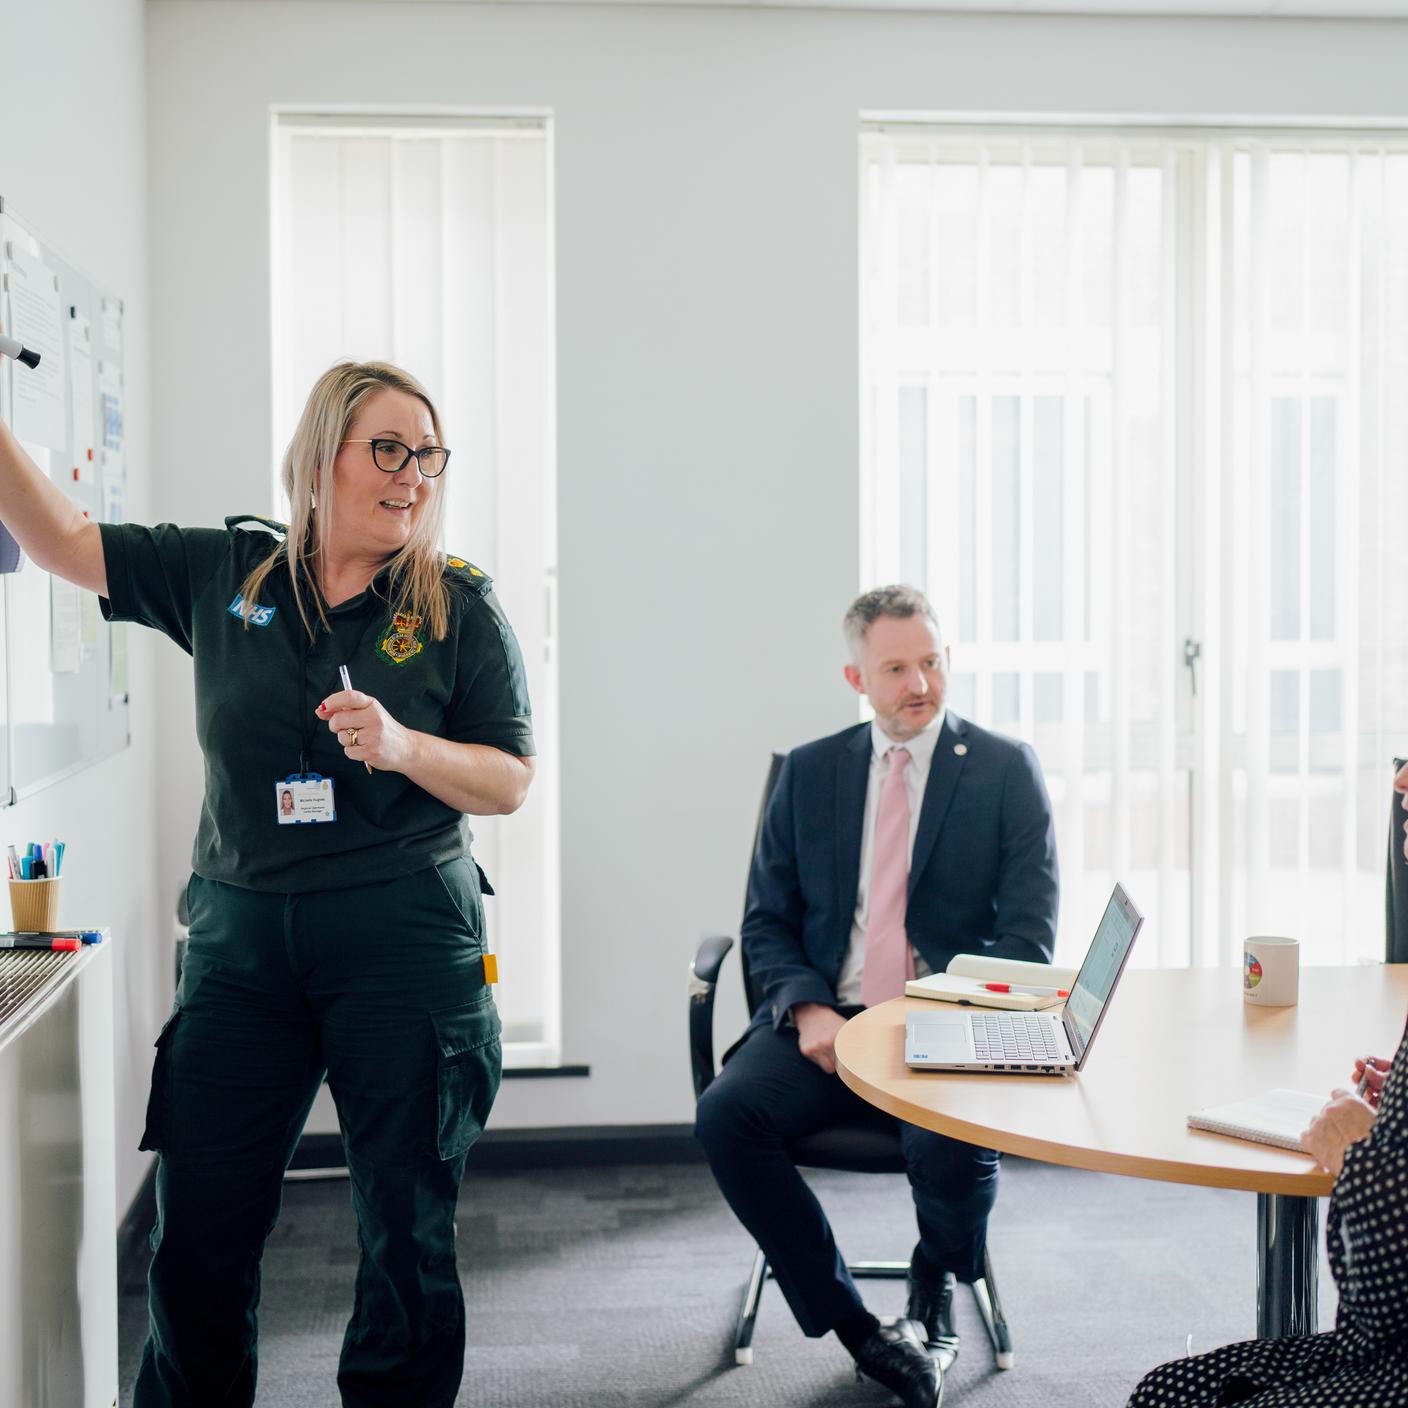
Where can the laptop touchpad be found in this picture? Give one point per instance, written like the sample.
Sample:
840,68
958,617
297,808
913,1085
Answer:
943,1041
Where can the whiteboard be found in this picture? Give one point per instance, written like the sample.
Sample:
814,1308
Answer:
65,699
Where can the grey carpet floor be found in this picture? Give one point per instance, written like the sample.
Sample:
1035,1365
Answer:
618,1288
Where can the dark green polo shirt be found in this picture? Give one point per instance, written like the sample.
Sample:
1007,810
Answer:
252,716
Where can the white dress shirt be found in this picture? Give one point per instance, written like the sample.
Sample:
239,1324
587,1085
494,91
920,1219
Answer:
921,755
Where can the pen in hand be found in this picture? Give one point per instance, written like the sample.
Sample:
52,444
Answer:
347,685
1372,1075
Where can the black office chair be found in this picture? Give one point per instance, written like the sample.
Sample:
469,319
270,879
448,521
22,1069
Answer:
869,1143
1396,945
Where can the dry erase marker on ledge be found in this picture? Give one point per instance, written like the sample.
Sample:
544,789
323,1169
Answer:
84,936
43,941
9,347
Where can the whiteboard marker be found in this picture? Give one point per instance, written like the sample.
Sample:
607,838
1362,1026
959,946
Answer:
10,348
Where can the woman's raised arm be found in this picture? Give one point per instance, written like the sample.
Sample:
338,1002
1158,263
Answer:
45,522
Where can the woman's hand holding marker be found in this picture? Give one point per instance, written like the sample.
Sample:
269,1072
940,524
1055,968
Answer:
12,347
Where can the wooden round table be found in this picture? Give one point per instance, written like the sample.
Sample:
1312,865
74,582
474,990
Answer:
1173,1041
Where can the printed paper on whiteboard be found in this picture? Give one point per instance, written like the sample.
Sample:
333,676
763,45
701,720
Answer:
80,352
112,324
117,660
65,627
34,319
112,501
90,620
110,408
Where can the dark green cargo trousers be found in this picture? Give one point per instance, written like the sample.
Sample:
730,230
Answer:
381,987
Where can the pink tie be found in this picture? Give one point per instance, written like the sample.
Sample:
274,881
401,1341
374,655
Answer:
888,958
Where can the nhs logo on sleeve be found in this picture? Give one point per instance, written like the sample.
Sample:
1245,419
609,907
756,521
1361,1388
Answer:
260,616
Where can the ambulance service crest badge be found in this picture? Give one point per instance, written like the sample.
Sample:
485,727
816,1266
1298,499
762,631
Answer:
401,640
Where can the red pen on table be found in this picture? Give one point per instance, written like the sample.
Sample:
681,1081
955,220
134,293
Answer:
1023,987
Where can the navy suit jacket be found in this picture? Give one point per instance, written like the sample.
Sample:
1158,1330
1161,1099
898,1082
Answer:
982,878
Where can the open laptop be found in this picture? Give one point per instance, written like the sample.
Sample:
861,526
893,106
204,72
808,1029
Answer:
1032,1043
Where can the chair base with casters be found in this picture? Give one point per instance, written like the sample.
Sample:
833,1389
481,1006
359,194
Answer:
984,1294
867,1145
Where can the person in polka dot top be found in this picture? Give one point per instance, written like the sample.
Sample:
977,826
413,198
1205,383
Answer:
1363,1361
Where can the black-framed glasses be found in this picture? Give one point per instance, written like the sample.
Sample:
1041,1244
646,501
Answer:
391,457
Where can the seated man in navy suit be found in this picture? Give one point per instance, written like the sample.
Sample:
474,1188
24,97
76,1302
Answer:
886,849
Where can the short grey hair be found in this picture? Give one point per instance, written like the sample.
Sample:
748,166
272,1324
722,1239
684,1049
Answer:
899,601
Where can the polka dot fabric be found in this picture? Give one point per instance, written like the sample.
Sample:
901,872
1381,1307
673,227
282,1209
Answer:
1363,1361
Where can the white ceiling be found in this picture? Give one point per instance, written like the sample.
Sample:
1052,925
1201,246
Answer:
1260,9
1255,9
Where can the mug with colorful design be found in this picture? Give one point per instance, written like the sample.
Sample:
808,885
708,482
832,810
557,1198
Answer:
1271,970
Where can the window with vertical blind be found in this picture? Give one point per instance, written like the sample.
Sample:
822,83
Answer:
1132,414
427,242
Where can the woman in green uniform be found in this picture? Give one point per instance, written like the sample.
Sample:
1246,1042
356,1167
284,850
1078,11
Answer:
336,923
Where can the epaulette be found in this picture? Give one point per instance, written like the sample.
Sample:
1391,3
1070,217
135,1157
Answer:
253,523
466,573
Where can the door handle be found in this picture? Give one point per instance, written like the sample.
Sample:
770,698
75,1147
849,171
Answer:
1192,653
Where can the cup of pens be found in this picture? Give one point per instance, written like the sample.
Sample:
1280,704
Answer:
34,886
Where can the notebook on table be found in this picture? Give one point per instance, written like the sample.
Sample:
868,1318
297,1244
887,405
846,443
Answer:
1033,1043
968,975
1274,1117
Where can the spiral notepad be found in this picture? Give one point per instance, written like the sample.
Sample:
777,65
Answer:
1274,1117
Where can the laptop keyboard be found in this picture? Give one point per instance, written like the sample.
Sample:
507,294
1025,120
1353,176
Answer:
1014,1036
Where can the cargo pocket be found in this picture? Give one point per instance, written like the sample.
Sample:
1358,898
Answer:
470,1061
157,1133
460,881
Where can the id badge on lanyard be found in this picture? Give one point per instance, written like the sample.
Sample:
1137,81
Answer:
304,797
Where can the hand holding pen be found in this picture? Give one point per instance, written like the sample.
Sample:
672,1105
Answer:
347,685
1346,1118
1370,1072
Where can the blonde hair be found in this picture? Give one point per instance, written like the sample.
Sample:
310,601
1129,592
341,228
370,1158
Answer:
417,569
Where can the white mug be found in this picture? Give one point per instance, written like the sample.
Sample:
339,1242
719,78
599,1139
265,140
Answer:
1271,970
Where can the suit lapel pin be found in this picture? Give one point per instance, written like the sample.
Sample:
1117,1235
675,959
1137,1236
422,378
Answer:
959,749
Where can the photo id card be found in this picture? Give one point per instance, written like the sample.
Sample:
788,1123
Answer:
304,797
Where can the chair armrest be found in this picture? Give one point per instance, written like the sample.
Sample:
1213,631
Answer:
703,978
709,958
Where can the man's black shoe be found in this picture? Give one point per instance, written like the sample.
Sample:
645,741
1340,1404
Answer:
895,1357
931,1305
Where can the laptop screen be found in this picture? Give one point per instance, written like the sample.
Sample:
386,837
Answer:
1104,962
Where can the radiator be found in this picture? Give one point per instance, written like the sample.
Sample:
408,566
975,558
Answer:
58,1196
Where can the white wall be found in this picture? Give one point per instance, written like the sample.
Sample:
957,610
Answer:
707,373
73,168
